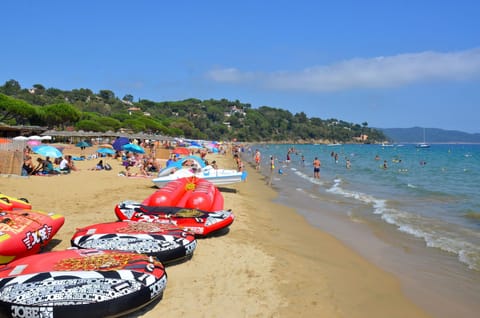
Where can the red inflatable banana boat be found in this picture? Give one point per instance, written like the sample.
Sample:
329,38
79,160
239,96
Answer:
191,193
25,232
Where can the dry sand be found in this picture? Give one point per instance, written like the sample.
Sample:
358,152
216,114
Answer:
271,263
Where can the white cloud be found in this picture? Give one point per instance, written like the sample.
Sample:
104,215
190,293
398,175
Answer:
390,71
230,75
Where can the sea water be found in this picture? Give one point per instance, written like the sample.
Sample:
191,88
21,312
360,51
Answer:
414,212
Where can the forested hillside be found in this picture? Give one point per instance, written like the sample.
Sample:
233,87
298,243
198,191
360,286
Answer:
82,109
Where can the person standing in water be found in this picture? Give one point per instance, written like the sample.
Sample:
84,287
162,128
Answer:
316,168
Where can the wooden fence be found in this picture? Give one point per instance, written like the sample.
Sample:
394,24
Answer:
11,157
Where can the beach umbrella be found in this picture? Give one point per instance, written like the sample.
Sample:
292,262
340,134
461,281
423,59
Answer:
133,148
106,146
47,151
5,141
34,142
83,144
106,151
194,143
34,138
181,151
20,138
120,142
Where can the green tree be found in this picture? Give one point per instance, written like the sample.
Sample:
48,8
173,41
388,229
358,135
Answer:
107,95
128,98
136,124
90,125
84,95
185,126
61,115
39,89
11,88
109,123
15,111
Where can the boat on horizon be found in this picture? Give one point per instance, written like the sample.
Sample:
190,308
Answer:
423,144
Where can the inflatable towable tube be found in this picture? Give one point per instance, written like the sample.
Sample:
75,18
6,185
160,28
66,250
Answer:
25,232
79,284
202,223
168,243
191,193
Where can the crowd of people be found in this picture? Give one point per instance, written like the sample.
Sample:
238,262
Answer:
145,164
47,166
315,163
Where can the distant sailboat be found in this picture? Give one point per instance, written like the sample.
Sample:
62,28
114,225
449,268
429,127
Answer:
423,144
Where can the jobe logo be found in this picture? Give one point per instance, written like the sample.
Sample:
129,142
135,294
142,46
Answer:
32,312
38,237
157,288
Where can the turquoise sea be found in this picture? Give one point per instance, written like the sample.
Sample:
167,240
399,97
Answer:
419,218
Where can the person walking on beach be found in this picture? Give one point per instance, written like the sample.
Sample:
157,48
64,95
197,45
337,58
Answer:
316,168
272,168
257,159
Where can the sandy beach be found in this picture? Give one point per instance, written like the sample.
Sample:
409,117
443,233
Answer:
271,263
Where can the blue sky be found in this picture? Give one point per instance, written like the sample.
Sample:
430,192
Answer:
392,64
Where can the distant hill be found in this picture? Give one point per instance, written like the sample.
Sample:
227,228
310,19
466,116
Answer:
432,135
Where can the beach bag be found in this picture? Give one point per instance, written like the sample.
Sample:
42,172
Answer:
107,166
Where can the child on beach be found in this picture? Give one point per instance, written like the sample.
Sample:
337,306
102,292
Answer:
316,168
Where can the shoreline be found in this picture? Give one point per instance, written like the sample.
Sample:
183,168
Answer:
433,279
333,277
272,262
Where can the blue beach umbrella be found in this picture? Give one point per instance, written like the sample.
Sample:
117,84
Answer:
120,142
106,151
47,151
83,144
133,148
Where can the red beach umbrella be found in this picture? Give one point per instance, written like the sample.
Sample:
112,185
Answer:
181,151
